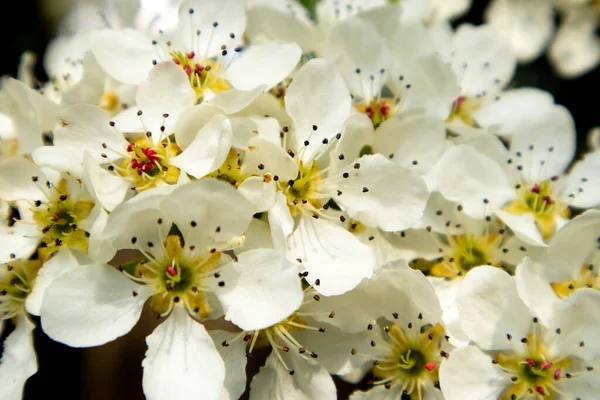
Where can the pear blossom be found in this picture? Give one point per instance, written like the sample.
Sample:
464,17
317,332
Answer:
515,353
319,105
181,278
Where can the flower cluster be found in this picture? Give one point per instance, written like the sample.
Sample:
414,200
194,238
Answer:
361,193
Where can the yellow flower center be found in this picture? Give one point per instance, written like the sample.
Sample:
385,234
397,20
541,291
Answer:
110,103
304,190
463,109
587,278
378,110
148,164
230,171
59,220
179,276
203,74
16,283
532,373
539,201
412,360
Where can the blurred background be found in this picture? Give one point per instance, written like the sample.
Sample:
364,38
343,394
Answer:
113,371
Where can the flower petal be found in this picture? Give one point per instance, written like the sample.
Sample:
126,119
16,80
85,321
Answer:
260,191
490,309
261,289
280,222
103,305
167,85
109,189
17,177
263,156
265,63
18,241
181,361
335,259
18,361
234,357
208,150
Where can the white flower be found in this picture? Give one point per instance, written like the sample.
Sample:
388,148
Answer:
178,276
524,355
525,186
207,47
319,104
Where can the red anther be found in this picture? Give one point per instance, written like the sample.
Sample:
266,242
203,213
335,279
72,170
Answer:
554,178
540,390
147,167
459,101
187,69
139,171
530,362
191,55
548,200
384,109
149,153
171,271
546,365
557,373
130,147
176,61
536,189
430,366
199,68
369,111
135,164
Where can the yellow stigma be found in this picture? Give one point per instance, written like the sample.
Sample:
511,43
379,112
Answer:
148,164
534,372
110,103
204,75
178,276
413,358
16,282
304,190
587,278
59,220
540,201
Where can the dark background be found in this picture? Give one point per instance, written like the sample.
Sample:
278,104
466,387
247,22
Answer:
102,372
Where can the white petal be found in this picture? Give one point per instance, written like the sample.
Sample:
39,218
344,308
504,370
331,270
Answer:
124,54
259,191
16,180
535,291
330,254
106,187
394,290
261,289
258,236
265,20
482,60
234,357
86,127
412,138
280,222
578,317
490,309
264,64
470,374
576,47
208,150
369,195
223,215
446,10
181,361
572,246
57,158
215,21
468,177
273,159
310,380
583,183
167,85
546,142
524,226
190,120
511,108
446,292
60,262
18,241
317,98
527,25
358,133
18,359
103,305
235,100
